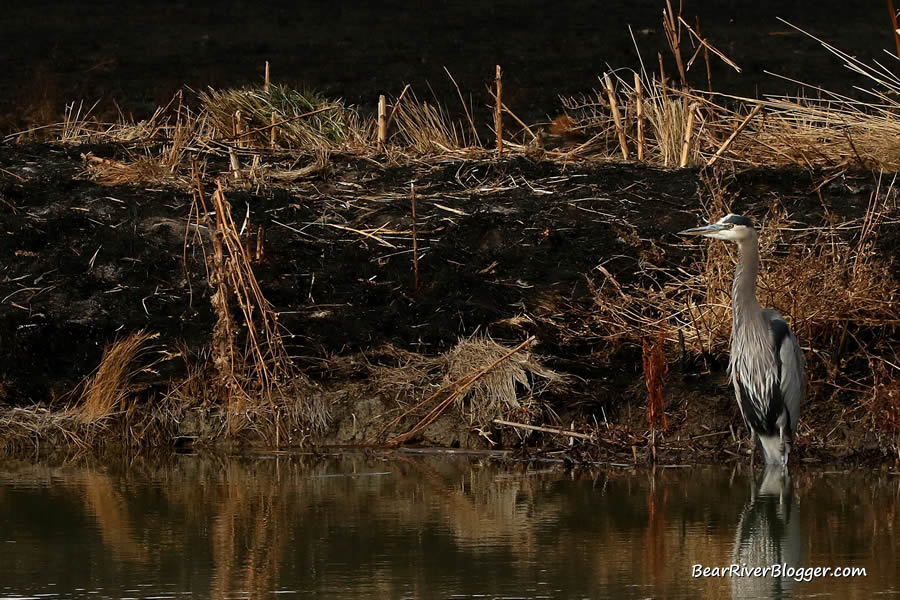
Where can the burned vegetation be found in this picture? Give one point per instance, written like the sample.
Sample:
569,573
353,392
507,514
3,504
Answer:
267,266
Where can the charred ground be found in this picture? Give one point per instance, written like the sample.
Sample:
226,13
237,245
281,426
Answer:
507,248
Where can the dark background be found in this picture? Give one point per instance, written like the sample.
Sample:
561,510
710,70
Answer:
136,55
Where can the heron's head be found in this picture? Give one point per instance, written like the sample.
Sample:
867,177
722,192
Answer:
734,228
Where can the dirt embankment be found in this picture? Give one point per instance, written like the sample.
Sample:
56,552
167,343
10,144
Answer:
506,248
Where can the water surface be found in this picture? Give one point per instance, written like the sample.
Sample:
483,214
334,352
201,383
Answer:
355,526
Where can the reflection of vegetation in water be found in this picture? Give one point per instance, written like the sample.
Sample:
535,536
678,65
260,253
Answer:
362,527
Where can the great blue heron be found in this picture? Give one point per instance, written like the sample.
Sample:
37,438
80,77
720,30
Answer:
766,364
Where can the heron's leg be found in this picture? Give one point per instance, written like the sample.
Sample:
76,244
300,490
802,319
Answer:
754,442
786,437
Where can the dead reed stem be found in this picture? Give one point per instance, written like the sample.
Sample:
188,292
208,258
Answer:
223,346
394,107
285,121
465,106
382,122
673,35
498,111
617,119
543,429
415,244
709,86
263,368
662,76
894,26
639,116
688,135
273,133
733,135
706,45
266,81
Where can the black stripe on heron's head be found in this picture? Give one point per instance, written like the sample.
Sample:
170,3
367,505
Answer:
737,220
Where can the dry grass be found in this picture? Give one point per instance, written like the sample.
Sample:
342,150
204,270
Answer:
260,377
328,123
108,391
510,389
815,129
484,380
426,128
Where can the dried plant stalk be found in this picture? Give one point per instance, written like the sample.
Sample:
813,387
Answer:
498,111
113,383
617,119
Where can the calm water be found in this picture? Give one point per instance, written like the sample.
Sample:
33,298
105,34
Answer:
353,526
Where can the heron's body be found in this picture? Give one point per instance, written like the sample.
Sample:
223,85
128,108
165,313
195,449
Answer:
766,363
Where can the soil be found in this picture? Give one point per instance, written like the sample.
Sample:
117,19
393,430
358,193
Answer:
508,248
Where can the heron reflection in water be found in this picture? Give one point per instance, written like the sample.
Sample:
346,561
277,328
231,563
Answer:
768,533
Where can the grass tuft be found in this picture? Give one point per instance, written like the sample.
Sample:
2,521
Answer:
113,384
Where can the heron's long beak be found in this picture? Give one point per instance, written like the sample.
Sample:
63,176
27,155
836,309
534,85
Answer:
705,230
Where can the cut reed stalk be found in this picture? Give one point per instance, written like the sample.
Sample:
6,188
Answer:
238,127
662,76
266,81
235,163
415,243
639,116
688,136
617,118
382,122
273,133
498,111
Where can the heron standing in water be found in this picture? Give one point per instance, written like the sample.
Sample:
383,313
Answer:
766,364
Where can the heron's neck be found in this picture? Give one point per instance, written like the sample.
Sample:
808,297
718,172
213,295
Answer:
743,291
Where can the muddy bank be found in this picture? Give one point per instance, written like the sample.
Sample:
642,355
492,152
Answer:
507,248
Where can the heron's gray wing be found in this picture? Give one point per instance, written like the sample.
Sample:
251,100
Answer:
791,366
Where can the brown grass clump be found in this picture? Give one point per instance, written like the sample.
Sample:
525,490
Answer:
143,169
506,390
113,384
302,119
426,128
483,379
